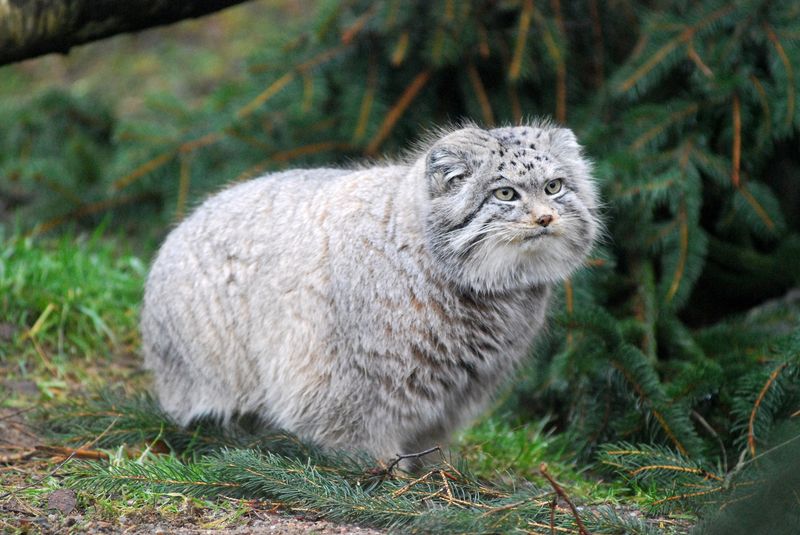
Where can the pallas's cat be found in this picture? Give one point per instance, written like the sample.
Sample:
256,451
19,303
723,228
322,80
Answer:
376,308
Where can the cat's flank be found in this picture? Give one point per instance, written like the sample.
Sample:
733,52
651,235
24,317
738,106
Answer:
373,309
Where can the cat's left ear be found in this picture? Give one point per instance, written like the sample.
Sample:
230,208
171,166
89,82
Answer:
563,140
446,166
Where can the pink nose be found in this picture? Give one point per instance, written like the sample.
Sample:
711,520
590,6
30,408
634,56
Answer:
545,220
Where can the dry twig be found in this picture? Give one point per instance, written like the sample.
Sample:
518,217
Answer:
402,456
563,495
50,474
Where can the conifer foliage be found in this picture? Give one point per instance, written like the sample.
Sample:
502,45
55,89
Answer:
679,343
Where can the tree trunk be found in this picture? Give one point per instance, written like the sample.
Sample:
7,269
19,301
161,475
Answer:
30,28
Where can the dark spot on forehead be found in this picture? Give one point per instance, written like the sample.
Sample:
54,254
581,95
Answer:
501,166
532,146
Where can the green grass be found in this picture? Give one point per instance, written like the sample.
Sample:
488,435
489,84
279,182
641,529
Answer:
67,305
499,447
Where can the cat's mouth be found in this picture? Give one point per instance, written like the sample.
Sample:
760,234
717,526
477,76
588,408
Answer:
535,234
527,236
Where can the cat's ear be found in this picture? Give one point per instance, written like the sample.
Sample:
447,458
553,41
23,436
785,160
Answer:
446,166
563,140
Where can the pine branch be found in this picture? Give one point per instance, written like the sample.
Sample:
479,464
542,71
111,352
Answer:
665,50
337,486
736,151
760,211
480,93
683,229
677,478
751,439
657,131
515,67
787,64
397,110
452,502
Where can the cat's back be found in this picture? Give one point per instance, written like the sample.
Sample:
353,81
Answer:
271,220
245,210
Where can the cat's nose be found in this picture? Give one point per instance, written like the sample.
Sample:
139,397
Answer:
544,219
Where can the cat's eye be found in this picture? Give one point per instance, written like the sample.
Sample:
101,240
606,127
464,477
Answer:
506,194
453,174
554,186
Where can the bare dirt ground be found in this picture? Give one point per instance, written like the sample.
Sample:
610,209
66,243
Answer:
17,517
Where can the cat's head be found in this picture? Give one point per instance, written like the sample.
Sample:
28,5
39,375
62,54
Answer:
509,207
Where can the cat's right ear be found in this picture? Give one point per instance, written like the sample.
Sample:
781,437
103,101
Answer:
445,167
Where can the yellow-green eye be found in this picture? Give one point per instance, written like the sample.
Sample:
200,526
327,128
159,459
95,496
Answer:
553,187
505,194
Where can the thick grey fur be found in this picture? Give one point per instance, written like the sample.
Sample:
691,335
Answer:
373,309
